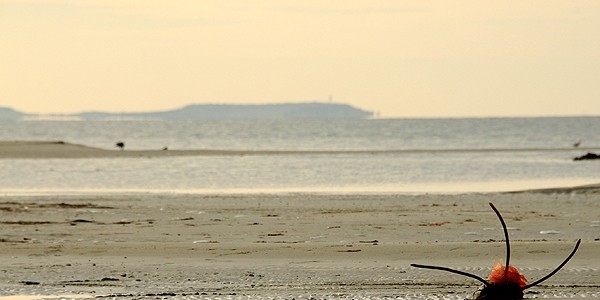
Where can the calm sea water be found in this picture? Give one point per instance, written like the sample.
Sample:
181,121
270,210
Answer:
412,155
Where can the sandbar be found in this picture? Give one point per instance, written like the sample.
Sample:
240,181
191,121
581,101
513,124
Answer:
65,150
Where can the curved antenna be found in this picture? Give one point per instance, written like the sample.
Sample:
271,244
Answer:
452,271
505,237
557,268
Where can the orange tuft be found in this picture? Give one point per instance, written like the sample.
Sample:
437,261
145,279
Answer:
497,276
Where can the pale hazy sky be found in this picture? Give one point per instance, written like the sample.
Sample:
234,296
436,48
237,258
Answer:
401,58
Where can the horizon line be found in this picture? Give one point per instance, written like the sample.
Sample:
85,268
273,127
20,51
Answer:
377,115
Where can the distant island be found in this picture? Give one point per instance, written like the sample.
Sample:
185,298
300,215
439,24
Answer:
313,110
10,114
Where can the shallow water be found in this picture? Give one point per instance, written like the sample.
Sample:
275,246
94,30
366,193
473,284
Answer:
410,155
412,173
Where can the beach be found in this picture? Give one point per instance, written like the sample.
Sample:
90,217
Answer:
287,245
291,245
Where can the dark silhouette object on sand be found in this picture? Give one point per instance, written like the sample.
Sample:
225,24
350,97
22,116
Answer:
120,145
588,156
505,281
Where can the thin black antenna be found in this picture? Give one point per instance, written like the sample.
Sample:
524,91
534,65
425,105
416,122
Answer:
452,271
505,237
555,270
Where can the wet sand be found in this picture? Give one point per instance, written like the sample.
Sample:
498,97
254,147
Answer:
292,246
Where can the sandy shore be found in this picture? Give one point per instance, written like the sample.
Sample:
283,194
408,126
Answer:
284,246
292,246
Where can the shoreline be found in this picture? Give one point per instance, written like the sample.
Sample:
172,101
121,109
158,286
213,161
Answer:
298,246
482,188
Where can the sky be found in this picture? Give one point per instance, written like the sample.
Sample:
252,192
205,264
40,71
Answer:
412,58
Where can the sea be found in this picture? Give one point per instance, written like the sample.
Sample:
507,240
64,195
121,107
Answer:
415,156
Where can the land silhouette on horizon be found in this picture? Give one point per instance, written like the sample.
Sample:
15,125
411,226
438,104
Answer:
308,110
